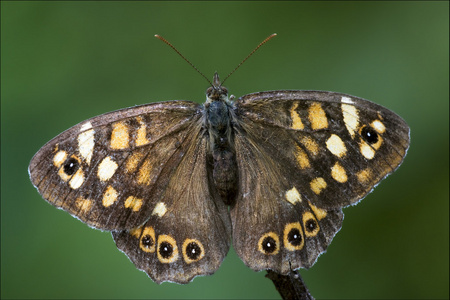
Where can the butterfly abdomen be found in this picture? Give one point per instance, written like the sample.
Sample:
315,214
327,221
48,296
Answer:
222,152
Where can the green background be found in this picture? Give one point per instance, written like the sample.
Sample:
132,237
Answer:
63,62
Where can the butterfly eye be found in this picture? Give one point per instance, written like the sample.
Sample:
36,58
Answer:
192,250
167,249
71,166
269,243
369,135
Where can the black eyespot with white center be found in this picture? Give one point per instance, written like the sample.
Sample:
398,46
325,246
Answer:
310,224
193,250
369,135
294,237
167,249
147,241
269,244
71,165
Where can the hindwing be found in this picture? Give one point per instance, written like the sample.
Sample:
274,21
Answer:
188,232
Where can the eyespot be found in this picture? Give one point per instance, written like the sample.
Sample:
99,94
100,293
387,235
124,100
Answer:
269,243
71,165
310,224
147,240
293,236
167,249
193,250
369,135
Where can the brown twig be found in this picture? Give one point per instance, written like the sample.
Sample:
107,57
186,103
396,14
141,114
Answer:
290,286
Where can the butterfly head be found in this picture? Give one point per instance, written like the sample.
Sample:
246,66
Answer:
216,92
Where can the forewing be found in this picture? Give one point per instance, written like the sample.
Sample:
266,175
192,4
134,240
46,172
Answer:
302,156
334,148
110,171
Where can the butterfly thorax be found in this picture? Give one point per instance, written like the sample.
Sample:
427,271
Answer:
218,124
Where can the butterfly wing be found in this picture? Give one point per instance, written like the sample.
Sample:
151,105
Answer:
106,170
188,237
302,156
141,172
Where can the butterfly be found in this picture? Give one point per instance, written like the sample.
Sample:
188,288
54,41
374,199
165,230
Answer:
176,182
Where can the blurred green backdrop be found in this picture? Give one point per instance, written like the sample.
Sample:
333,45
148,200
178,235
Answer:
63,62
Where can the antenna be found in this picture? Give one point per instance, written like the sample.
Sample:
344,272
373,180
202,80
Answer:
251,53
248,56
173,47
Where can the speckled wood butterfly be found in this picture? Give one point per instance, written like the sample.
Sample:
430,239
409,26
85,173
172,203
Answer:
174,181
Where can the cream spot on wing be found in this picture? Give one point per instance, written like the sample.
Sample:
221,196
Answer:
351,118
134,203
160,209
336,146
120,137
133,160
109,196
86,126
364,176
293,196
310,145
84,205
144,172
296,120
317,185
77,179
367,151
86,143
302,158
106,169
136,232
338,173
378,126
320,213
141,133
348,100
59,158
317,116
63,175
